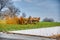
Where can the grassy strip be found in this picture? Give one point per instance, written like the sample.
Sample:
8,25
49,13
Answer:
10,27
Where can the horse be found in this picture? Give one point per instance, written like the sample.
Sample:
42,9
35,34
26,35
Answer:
21,20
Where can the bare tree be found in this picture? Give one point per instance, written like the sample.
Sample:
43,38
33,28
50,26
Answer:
14,11
48,20
3,3
23,14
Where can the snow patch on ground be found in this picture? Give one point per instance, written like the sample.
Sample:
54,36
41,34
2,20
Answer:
40,31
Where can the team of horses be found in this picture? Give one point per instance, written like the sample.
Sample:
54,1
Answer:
22,20
29,20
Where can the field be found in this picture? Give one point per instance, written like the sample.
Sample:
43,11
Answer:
10,27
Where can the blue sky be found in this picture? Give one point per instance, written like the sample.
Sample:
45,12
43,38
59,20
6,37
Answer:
39,8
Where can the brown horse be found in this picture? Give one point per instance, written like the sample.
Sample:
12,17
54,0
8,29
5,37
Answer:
25,20
31,20
21,20
36,19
